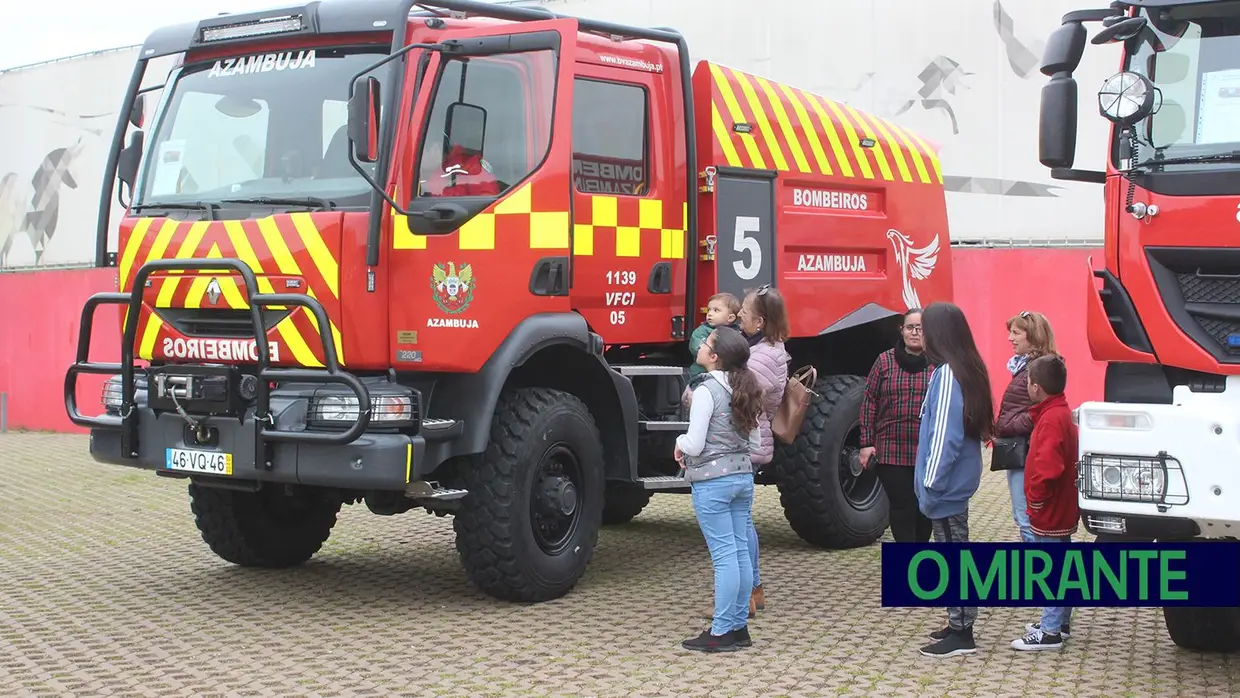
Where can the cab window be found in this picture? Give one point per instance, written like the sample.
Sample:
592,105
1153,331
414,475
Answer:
489,125
610,139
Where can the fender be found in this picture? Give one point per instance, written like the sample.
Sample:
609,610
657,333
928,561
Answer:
471,397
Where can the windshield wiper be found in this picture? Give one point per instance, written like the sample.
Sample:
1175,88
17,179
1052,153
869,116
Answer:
205,207
314,201
1229,156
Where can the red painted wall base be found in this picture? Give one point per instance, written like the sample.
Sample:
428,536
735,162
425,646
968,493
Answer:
40,327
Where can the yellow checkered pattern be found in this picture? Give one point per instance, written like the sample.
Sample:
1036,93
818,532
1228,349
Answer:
630,232
548,230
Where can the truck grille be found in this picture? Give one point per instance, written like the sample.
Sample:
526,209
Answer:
224,323
1200,288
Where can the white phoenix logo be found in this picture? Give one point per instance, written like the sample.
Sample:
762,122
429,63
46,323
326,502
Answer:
915,262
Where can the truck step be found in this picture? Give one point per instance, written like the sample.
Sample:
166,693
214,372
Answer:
422,489
644,370
663,482
441,429
665,426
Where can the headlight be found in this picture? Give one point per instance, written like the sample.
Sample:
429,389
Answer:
111,397
1137,421
389,410
1126,98
1125,479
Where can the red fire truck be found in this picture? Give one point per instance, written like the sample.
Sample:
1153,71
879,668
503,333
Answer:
1158,453
446,255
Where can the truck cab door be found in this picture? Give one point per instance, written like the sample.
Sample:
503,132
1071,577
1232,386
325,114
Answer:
485,179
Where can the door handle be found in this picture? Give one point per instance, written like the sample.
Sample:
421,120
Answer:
549,276
443,213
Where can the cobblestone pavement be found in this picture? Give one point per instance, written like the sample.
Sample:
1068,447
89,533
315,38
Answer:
106,588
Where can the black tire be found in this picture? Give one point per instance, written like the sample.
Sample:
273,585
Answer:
623,503
1204,629
813,471
535,433
273,527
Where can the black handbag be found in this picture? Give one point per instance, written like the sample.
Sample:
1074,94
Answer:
1009,453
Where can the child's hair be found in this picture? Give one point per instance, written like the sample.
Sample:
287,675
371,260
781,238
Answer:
733,352
1049,373
731,302
948,340
1037,331
768,303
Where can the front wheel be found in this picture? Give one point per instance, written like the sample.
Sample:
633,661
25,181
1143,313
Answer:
828,498
529,525
1203,629
277,526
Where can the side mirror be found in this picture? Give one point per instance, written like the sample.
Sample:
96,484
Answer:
138,112
1126,98
1064,49
1057,122
129,158
1119,30
466,127
364,119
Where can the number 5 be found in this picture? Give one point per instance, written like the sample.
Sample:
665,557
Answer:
743,243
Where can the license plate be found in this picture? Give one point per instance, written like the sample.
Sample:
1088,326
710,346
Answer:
194,461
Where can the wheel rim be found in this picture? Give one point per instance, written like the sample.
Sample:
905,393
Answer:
860,485
555,507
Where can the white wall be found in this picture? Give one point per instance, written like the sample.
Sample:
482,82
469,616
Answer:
872,54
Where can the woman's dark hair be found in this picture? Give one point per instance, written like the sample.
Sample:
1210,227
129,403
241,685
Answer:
948,339
768,303
733,352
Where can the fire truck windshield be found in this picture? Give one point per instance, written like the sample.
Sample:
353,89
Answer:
1194,61
261,127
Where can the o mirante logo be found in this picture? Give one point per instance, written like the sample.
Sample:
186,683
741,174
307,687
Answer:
1199,573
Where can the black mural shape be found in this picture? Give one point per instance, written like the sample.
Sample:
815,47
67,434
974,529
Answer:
939,78
43,214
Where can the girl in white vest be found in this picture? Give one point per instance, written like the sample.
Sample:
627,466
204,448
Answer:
723,429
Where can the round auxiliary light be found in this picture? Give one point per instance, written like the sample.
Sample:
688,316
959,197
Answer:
1126,97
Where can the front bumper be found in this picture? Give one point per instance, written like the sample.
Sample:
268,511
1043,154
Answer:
374,461
1179,464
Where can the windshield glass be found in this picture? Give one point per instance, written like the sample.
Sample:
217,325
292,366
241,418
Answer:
1195,64
265,125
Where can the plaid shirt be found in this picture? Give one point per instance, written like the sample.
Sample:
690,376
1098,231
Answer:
891,410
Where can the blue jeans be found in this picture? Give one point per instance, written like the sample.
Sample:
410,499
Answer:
1020,507
1053,619
753,553
723,507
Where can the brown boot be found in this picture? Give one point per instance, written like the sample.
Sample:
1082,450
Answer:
757,600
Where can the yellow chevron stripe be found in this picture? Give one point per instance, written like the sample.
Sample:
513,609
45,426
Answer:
146,350
785,125
279,251
862,161
136,237
240,243
755,106
336,340
323,259
168,289
834,137
911,137
811,132
880,155
897,151
738,116
721,135
916,153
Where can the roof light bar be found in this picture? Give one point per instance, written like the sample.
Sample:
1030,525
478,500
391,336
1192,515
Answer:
261,27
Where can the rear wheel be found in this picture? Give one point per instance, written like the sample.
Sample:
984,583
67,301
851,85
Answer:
277,526
1203,629
828,499
529,525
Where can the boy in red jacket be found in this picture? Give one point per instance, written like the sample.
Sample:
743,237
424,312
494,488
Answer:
1050,484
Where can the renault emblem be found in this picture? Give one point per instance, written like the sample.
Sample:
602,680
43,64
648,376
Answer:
213,292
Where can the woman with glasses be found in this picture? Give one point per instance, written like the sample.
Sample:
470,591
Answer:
1030,336
890,420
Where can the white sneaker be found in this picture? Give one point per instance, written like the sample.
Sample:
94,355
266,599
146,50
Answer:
1063,629
1037,640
